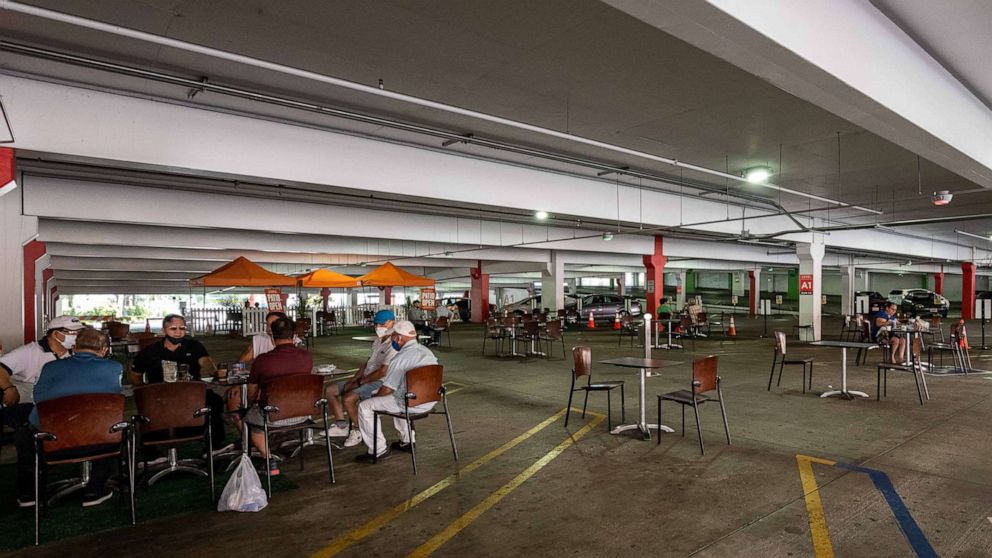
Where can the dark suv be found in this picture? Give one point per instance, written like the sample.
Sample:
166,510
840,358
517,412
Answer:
924,302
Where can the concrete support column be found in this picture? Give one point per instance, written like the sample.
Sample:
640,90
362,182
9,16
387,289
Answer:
553,283
386,296
479,295
938,281
848,275
33,251
47,282
325,293
738,282
754,291
810,271
570,286
654,275
352,297
621,288
968,290
680,285
867,279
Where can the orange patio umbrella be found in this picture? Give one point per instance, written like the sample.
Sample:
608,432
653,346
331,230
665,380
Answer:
243,273
388,275
325,278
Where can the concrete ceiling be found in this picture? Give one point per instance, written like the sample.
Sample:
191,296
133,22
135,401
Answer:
577,66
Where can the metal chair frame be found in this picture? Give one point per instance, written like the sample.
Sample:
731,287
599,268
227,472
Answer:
582,358
697,398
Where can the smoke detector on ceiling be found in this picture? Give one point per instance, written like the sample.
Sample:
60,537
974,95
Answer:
943,197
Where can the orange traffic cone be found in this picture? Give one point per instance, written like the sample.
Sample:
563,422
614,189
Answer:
964,337
616,321
733,328
592,323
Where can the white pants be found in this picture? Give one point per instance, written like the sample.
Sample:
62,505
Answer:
367,418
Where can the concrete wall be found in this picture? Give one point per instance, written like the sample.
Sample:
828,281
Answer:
15,230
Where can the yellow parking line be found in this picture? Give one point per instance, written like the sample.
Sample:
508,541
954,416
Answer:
822,547
341,543
465,520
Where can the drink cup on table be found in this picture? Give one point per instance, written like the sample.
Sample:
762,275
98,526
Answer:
170,371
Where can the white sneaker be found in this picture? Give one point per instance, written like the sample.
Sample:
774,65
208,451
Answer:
353,439
337,431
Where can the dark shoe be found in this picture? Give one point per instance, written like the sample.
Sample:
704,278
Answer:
91,499
25,502
273,465
367,457
400,446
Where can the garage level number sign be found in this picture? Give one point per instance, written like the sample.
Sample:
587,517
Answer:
806,284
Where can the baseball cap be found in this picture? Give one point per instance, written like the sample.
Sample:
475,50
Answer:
383,316
66,322
404,328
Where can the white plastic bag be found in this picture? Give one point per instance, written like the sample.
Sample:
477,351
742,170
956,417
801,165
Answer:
243,492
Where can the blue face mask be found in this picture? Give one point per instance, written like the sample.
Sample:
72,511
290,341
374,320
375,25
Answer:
396,345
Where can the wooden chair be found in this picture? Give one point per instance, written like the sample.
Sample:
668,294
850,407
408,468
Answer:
301,328
81,429
780,357
291,397
172,415
424,384
582,358
704,379
442,324
554,331
915,368
492,330
118,331
685,324
628,328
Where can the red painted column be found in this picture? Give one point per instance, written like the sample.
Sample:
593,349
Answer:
654,275
325,293
33,251
46,274
968,290
938,282
752,293
387,296
479,296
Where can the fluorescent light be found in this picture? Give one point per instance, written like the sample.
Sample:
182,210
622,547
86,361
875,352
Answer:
973,235
541,215
757,175
607,236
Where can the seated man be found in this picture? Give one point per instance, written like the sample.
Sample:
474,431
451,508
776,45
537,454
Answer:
664,307
346,394
285,359
176,347
417,316
410,354
20,368
87,371
882,319
261,343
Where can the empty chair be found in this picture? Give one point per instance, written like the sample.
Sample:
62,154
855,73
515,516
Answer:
118,331
554,331
582,357
494,331
781,358
171,415
685,325
424,384
704,379
628,328
81,429
289,397
915,368
440,327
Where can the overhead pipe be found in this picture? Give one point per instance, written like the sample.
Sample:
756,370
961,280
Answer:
60,17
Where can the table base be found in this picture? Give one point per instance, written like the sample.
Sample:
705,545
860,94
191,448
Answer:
644,429
849,394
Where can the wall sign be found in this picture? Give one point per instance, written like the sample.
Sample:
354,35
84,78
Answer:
650,286
806,284
733,300
778,299
428,298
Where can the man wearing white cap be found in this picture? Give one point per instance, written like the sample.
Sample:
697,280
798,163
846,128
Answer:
390,397
20,368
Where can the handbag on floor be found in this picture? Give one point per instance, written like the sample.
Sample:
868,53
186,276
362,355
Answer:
243,491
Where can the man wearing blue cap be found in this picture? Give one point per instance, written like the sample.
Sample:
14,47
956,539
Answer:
346,394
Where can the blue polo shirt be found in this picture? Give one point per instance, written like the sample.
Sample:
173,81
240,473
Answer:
84,372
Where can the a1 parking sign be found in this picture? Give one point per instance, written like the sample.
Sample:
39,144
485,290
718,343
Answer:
806,284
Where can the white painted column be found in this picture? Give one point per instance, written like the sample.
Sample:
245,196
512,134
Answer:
867,284
15,231
811,264
553,283
848,277
680,290
739,281
621,288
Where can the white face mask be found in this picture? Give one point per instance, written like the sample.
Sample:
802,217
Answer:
381,331
69,341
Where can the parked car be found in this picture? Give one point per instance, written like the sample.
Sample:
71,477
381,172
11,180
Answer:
924,302
464,307
604,307
896,295
875,300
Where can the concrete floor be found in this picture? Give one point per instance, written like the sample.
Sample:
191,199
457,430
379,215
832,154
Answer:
583,492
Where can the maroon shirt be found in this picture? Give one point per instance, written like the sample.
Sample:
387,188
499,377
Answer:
284,360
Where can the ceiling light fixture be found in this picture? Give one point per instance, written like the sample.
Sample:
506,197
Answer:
973,235
541,215
607,236
942,197
757,175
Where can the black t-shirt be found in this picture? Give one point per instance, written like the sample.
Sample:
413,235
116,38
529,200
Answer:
149,360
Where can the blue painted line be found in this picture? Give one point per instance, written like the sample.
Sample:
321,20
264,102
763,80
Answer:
913,533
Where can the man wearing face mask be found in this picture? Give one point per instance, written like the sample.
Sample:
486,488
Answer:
176,347
86,371
409,355
20,368
346,394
